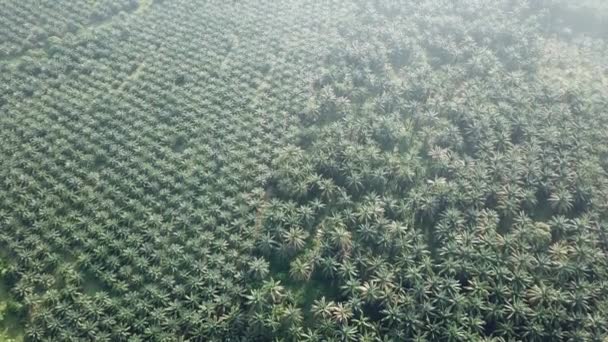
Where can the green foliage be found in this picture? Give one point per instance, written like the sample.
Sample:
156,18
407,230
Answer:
11,312
303,171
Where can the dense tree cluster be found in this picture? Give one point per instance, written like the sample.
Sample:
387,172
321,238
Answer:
129,154
303,171
29,24
454,198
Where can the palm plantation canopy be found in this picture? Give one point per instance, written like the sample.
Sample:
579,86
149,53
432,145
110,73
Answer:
263,170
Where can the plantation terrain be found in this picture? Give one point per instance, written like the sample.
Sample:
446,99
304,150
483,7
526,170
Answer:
282,170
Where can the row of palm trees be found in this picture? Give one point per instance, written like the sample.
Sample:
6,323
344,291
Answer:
129,181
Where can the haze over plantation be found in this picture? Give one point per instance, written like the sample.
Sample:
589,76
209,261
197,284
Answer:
281,170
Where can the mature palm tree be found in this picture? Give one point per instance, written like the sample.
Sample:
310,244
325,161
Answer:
292,315
274,290
341,238
259,268
341,313
301,269
561,200
294,239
